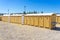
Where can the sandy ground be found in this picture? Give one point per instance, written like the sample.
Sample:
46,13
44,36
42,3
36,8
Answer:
9,31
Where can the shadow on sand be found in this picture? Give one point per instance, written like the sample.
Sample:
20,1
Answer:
56,28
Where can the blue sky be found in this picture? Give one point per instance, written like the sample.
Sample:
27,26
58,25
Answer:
31,5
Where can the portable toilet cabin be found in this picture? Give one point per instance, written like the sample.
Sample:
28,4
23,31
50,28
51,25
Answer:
5,17
0,18
16,19
58,18
12,19
27,19
49,20
31,19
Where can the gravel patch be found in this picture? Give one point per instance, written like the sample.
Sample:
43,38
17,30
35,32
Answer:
10,31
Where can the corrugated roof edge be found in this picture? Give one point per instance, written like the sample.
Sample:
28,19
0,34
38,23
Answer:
13,15
39,14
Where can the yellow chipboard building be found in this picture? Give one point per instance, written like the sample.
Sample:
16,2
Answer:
44,20
13,19
41,20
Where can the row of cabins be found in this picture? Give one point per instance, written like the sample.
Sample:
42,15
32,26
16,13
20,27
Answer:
44,20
